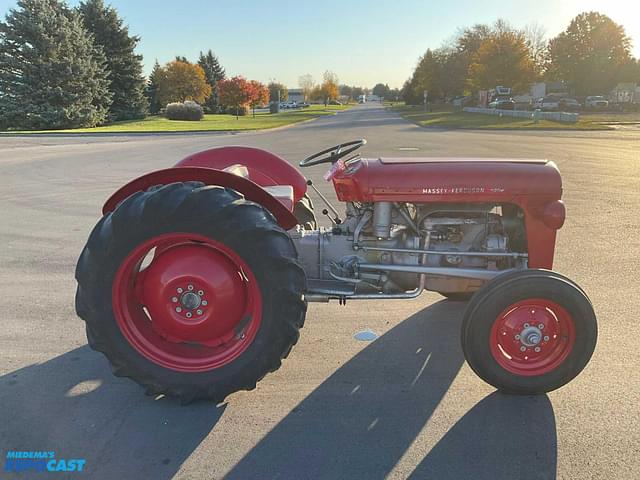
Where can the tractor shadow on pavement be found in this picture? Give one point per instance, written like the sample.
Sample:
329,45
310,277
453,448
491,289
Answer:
502,437
74,406
362,419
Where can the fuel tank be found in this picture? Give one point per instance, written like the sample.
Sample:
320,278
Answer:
420,180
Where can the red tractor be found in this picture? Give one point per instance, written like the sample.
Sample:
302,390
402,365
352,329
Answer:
195,282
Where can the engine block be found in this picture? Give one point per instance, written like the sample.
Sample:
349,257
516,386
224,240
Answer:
394,241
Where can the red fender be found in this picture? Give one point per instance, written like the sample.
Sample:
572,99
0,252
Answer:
265,168
208,176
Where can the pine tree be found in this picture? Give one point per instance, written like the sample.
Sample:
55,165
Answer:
125,67
213,72
50,71
151,89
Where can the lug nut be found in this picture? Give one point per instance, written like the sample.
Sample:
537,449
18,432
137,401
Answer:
201,292
188,314
190,287
180,290
526,325
205,303
199,312
541,326
546,338
178,309
174,299
517,337
523,348
537,349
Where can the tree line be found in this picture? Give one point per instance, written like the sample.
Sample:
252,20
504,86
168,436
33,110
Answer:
63,67
591,56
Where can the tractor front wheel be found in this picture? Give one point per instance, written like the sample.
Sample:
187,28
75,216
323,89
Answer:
529,332
191,291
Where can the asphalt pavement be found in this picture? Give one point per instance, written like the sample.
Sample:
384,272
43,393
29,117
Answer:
404,405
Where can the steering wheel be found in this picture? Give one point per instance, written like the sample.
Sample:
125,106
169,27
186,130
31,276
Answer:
333,154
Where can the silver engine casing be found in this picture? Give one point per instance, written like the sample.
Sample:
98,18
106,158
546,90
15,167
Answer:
327,256
331,258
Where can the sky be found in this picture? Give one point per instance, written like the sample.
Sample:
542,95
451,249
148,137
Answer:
363,42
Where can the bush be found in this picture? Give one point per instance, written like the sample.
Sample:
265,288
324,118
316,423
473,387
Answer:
242,110
184,111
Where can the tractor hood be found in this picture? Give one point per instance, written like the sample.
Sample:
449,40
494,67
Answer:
447,180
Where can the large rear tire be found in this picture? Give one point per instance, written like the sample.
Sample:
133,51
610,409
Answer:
216,308
529,332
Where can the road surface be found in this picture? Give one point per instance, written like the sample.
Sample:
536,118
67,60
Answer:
405,405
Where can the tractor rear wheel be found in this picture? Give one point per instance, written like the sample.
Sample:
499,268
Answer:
191,291
529,332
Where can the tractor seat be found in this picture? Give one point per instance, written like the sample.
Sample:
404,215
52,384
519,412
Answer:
282,193
237,169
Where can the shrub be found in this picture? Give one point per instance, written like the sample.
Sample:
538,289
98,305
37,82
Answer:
184,111
241,110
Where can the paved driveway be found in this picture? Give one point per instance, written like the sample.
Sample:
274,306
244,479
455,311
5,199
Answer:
404,405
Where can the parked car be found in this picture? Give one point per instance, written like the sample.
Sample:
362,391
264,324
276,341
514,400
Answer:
503,104
596,101
567,104
556,104
548,104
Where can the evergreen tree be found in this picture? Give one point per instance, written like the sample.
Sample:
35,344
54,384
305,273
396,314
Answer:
151,89
51,75
125,67
213,72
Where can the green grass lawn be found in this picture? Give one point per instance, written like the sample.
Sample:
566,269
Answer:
448,118
631,118
155,123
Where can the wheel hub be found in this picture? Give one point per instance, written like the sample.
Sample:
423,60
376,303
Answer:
532,337
191,300
194,294
196,306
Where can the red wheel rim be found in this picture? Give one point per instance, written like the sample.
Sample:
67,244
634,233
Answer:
532,337
195,307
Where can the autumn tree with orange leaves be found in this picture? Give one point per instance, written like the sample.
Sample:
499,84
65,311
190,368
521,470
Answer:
240,93
259,95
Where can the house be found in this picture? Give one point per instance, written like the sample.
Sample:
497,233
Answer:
545,89
625,92
541,90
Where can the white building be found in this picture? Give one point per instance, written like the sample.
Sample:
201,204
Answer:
296,95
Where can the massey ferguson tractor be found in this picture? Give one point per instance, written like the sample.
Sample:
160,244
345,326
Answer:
195,282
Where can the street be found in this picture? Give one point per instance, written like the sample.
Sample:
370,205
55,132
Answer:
404,405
